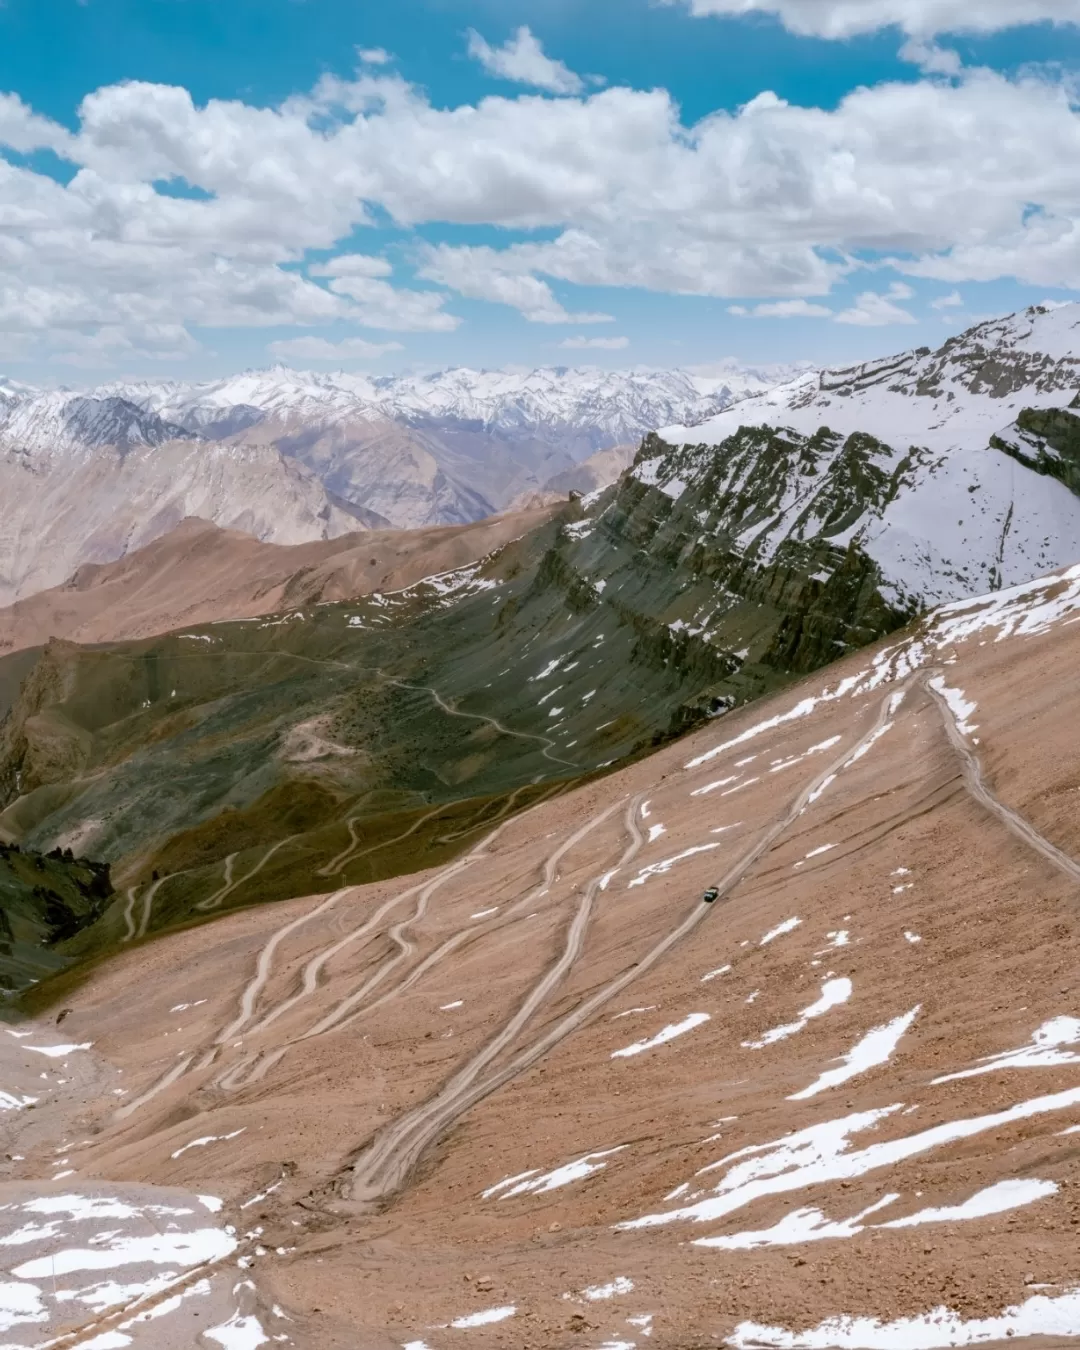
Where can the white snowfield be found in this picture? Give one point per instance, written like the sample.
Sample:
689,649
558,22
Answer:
823,1153
624,404
83,1253
1040,1315
875,1048
883,397
968,518
833,994
538,1183
662,1037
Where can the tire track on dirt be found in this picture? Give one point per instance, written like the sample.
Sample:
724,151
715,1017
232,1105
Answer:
230,885
974,781
385,1166
235,1076
148,904
392,1155
346,1012
482,717
129,913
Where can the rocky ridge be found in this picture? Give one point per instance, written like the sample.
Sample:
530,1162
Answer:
957,396
292,457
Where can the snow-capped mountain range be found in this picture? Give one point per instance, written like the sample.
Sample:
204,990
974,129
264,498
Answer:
923,467
606,407
960,394
291,455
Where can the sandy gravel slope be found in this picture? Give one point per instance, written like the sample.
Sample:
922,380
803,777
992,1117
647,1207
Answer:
198,573
546,1097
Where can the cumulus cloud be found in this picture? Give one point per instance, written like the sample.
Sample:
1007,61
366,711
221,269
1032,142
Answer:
958,180
872,309
321,349
603,344
783,309
485,274
377,304
930,58
950,301
374,56
523,60
920,18
109,343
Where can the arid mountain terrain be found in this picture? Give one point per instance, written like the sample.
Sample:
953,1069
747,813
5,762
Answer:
545,1095
198,573
645,920
292,457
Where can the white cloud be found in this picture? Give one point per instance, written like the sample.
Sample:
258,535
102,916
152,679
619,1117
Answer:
604,344
485,274
352,265
930,58
321,349
950,301
957,181
783,309
920,18
374,56
23,130
874,310
523,60
377,304
108,344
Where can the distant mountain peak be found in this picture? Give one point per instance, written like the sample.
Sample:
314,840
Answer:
960,393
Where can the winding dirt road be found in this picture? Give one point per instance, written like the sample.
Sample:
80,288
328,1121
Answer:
230,884
352,1006
975,783
383,1169
140,930
451,711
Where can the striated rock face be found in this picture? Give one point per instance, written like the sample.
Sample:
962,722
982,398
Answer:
291,457
1046,440
938,526
67,506
773,552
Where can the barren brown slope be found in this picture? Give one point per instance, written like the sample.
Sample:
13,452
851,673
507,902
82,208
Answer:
547,1097
199,573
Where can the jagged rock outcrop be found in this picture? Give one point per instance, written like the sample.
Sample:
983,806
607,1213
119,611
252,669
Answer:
1046,440
45,899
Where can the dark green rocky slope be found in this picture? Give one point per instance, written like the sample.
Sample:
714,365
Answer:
352,741
45,901
243,762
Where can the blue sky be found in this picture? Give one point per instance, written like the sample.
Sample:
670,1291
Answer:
193,187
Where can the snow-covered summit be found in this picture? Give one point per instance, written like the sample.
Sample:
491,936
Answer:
60,422
611,406
960,394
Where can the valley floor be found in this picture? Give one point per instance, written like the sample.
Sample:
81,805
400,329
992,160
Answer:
546,1096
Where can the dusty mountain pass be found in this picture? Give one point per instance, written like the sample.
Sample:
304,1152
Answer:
545,1096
